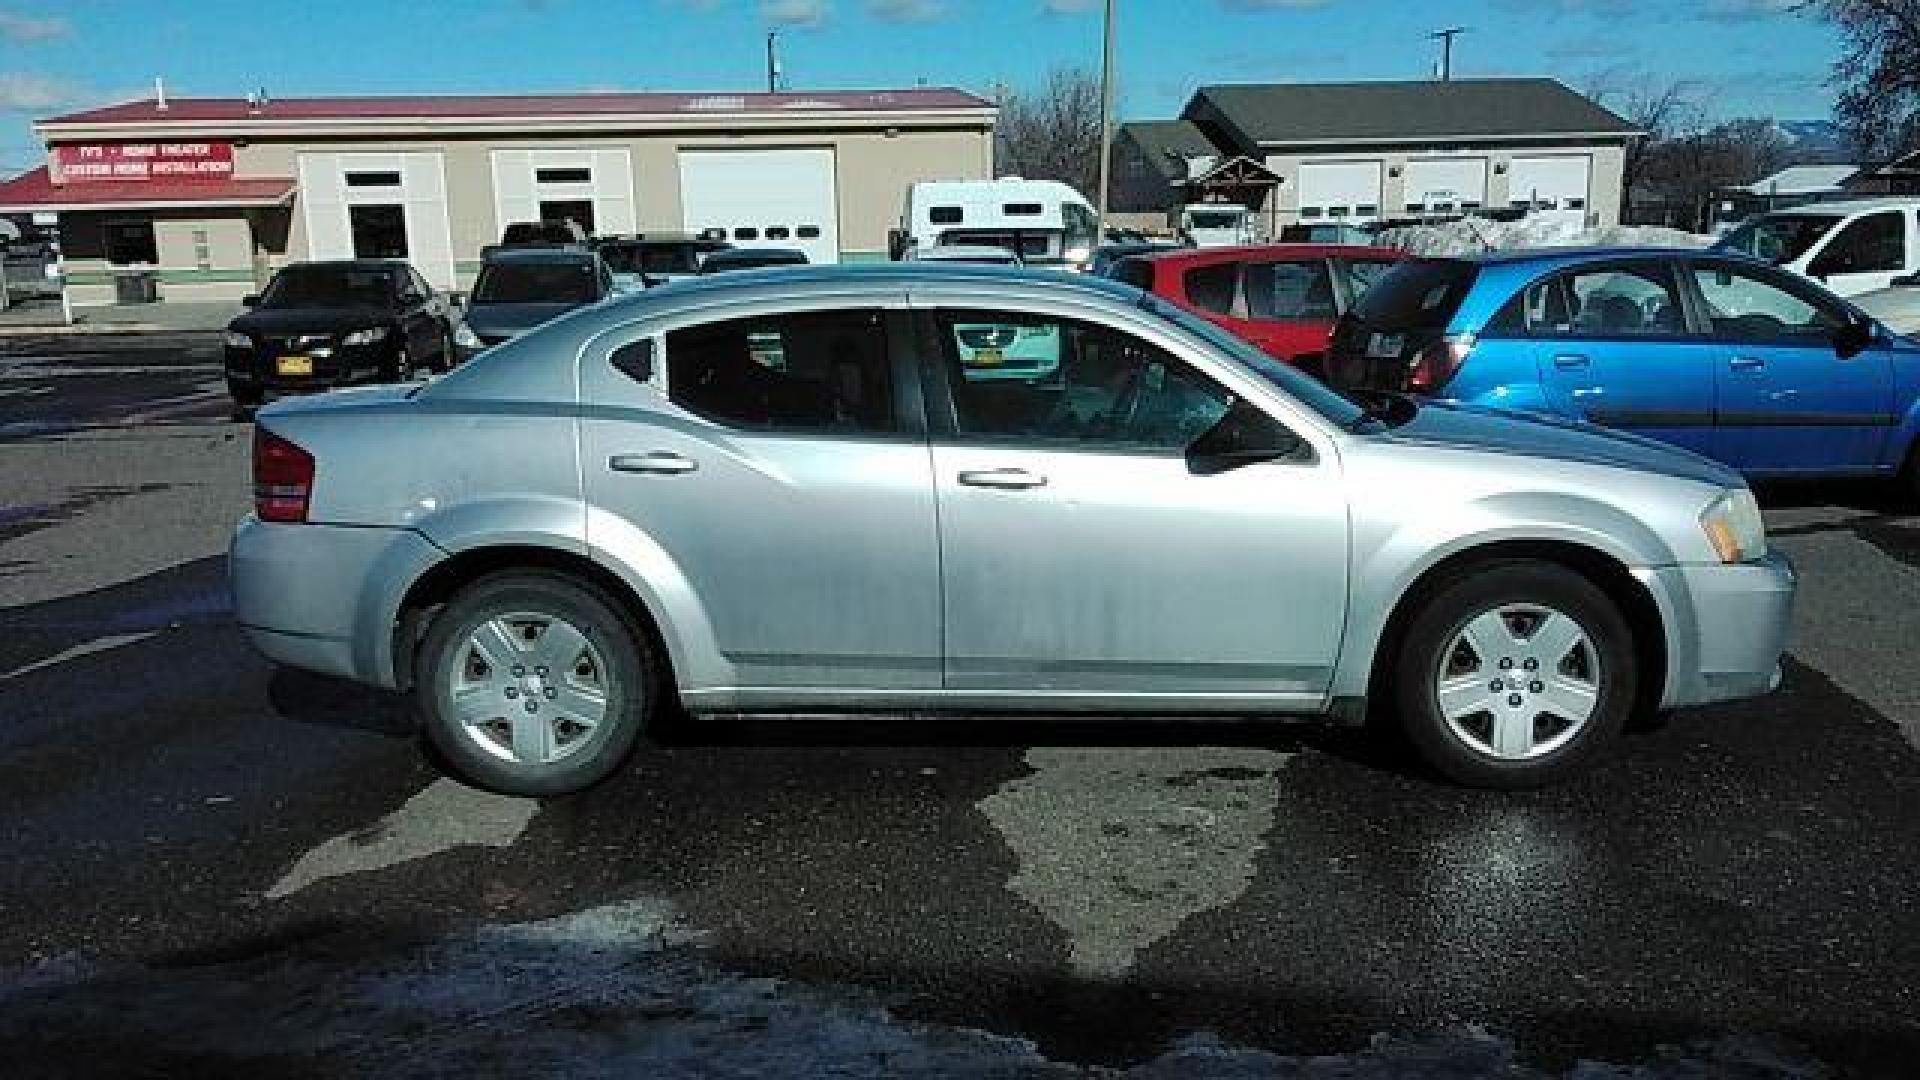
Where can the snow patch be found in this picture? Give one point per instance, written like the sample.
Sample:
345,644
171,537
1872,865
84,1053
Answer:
445,815
1470,236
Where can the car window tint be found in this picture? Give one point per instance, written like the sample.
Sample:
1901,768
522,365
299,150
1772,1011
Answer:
1874,244
1060,382
1609,301
810,371
1135,272
1210,288
1362,273
1745,307
1290,290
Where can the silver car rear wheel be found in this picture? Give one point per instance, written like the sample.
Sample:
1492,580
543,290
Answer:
529,688
1519,681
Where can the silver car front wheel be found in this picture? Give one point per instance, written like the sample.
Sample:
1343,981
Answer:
533,683
1518,681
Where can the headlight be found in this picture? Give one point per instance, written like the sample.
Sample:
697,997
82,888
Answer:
364,337
464,337
1734,527
238,341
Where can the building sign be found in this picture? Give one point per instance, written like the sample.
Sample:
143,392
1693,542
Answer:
85,163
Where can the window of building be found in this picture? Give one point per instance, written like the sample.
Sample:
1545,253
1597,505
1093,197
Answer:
1337,211
1021,209
563,176
944,215
130,243
373,179
812,371
1063,383
1310,211
379,232
1369,210
746,232
778,232
578,211
808,232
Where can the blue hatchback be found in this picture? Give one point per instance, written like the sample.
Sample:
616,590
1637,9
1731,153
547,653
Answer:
1726,356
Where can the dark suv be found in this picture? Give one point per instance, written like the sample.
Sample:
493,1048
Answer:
319,325
520,288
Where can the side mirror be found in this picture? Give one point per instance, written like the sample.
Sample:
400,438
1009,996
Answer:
1244,436
1853,339
250,300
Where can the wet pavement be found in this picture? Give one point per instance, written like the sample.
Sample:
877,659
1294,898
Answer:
219,869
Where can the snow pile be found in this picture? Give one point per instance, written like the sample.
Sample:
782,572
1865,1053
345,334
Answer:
1471,235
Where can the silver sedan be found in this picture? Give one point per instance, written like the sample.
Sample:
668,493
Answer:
921,489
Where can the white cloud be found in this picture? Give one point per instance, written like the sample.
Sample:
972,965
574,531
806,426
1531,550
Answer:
906,10
16,27
802,13
22,92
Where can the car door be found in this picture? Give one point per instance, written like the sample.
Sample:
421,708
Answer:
1866,253
1789,400
1613,347
772,460
1081,555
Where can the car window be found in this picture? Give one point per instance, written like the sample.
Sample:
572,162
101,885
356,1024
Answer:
537,283
1290,290
1211,288
1135,272
1874,244
1608,301
330,285
1069,384
1746,307
1362,273
1778,238
808,371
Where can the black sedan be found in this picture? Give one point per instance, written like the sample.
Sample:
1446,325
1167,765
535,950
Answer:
320,325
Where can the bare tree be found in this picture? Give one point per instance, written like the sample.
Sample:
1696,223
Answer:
1879,72
1053,133
1684,173
1661,111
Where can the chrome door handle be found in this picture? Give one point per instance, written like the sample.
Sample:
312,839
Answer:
1005,479
659,463
1746,363
1569,361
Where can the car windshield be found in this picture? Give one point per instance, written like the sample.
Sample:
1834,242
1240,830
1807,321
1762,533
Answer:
1296,384
1779,238
652,258
330,287
536,283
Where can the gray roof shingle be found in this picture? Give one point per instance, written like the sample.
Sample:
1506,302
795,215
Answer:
1290,113
1167,144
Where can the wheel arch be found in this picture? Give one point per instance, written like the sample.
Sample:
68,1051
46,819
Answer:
1637,604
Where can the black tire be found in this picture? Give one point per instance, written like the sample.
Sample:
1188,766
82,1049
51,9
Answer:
1425,649
631,682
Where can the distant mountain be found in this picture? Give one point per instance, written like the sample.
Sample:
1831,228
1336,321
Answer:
1815,142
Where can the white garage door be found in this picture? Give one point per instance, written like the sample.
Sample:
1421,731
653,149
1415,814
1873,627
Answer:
1344,190
379,206
764,198
1551,185
1446,185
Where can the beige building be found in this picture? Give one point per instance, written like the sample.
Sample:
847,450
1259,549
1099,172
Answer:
1371,151
206,196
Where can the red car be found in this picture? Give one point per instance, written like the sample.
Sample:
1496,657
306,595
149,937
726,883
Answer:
1284,298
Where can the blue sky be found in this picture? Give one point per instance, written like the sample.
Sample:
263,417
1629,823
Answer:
1744,56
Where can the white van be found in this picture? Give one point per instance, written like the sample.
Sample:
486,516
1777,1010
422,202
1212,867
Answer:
1045,222
1216,224
1852,247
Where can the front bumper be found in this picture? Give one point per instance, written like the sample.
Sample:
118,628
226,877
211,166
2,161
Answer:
325,597
254,372
1727,628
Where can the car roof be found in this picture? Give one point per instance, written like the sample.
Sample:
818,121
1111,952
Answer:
1543,256
557,253
740,254
1192,256
825,278
1843,208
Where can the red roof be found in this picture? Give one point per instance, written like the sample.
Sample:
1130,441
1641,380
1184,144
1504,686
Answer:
35,190
426,106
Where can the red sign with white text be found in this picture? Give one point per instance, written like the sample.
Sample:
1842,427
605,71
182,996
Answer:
120,162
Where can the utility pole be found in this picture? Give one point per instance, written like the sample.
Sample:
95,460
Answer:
773,61
1106,124
1445,37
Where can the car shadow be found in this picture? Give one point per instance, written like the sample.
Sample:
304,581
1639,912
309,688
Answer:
323,701
1873,496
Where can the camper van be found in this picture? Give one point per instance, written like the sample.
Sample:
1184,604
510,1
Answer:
1044,222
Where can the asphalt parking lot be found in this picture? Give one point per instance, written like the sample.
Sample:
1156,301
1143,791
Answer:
214,868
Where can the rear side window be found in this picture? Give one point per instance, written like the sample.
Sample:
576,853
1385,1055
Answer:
1290,291
1135,272
1211,288
1874,244
1363,273
1418,295
809,372
1611,301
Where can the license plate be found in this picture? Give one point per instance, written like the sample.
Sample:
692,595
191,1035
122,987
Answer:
988,357
294,365
1385,346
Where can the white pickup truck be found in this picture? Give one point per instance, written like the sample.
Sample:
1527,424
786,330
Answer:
1851,247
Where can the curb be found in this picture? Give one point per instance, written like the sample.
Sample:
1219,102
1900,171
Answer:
77,329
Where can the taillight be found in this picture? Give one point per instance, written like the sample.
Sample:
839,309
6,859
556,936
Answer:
282,478
1436,365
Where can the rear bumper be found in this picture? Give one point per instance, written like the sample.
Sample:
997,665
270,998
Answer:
323,597
1727,628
